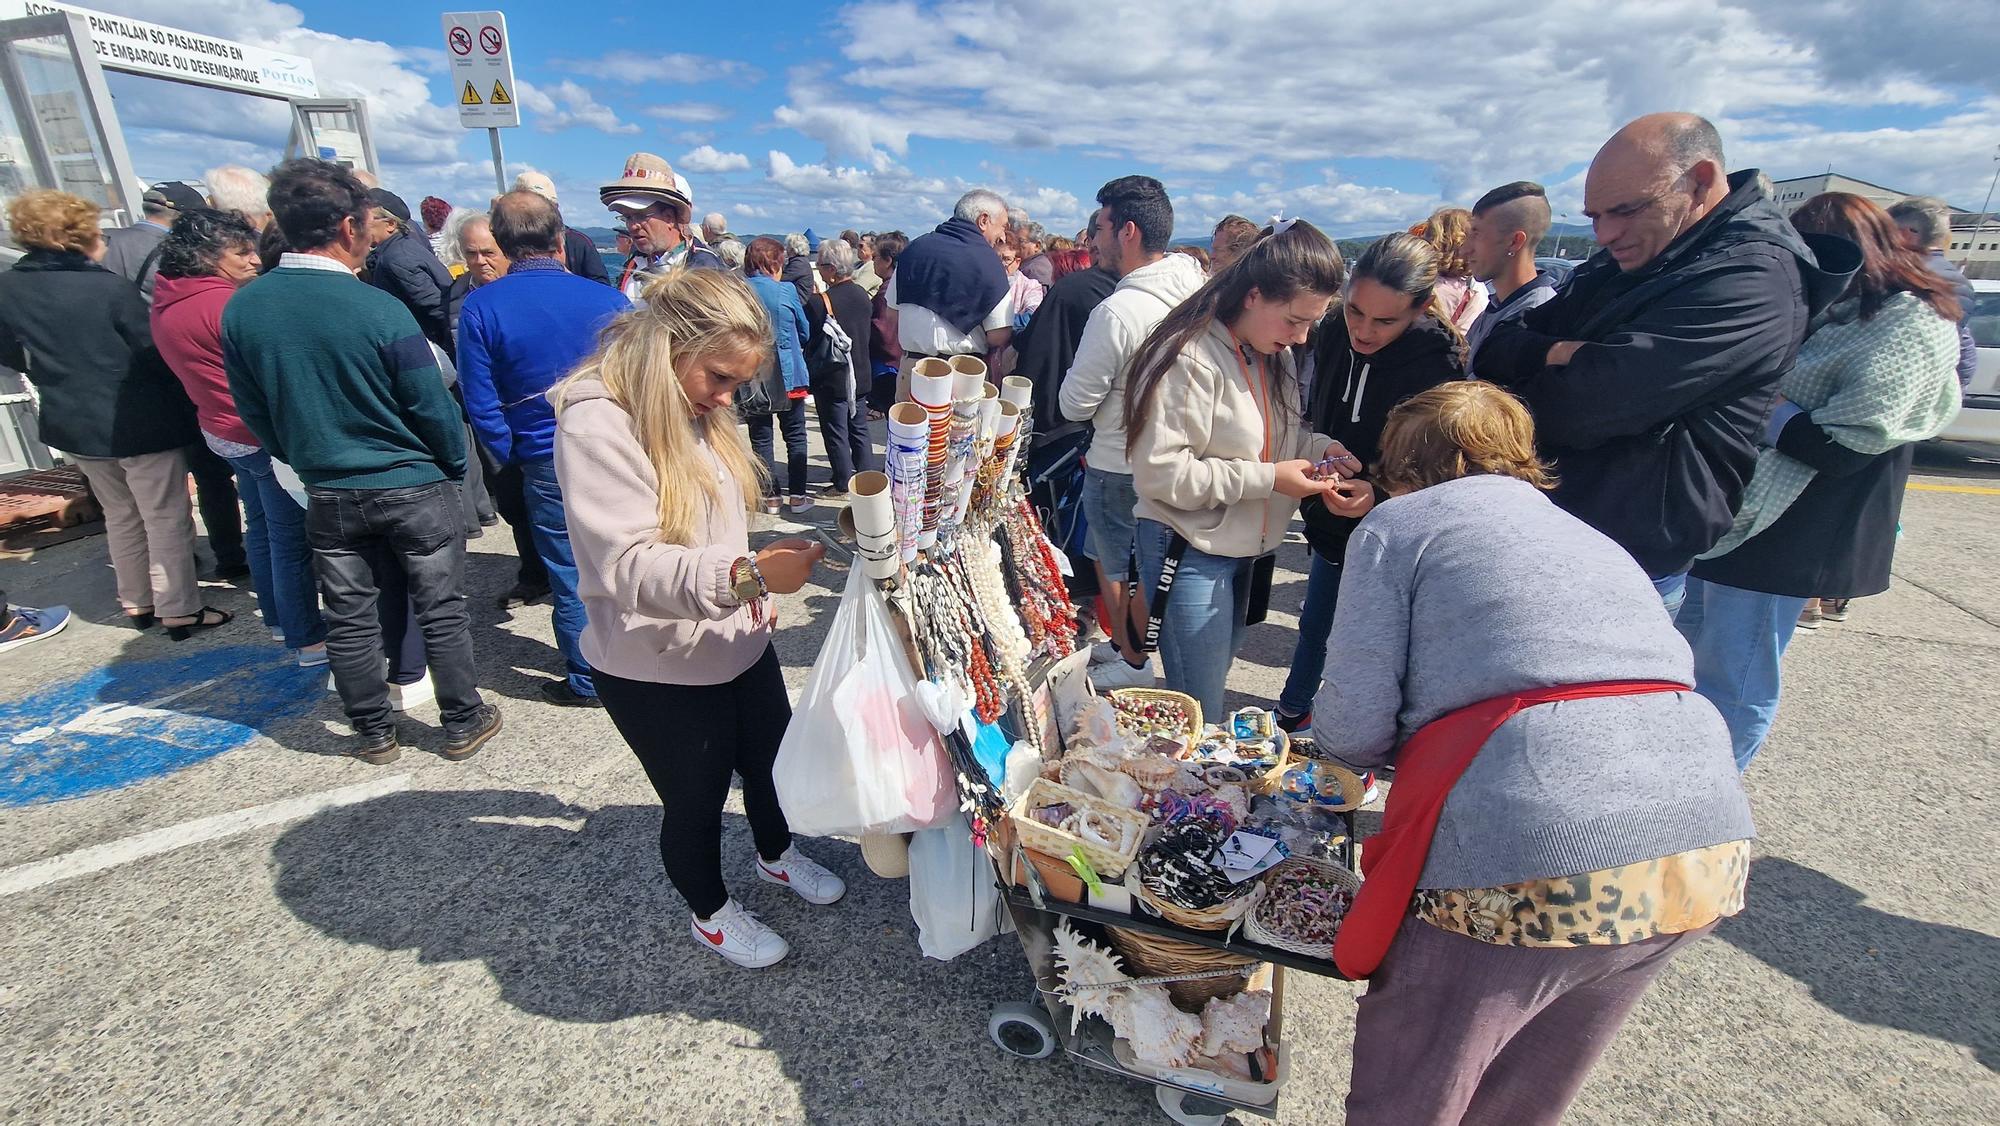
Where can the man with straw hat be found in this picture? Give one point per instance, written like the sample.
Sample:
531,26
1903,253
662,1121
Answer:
658,208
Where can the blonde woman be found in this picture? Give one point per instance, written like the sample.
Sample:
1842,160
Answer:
1462,298
658,483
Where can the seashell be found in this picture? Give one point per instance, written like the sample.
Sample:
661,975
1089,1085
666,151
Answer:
1235,1024
1158,1032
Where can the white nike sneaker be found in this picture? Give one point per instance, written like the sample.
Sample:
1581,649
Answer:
802,874
1118,674
739,936
1103,653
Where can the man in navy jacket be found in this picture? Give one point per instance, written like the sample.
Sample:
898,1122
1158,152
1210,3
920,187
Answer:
517,336
1652,373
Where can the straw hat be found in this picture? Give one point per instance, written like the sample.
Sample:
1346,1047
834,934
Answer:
887,854
648,179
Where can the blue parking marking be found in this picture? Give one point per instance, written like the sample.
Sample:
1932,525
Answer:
134,720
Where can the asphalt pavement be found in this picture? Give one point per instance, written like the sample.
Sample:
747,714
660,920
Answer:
210,915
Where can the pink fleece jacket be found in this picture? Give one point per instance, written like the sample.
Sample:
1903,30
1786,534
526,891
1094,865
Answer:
659,612
187,328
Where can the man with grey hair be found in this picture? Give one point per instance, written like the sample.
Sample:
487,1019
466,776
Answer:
731,252
1926,224
1653,372
714,228
950,291
245,191
840,382
580,256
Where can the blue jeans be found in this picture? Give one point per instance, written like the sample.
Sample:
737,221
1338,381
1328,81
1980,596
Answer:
1315,624
1203,625
545,513
1673,591
1109,500
1739,639
281,566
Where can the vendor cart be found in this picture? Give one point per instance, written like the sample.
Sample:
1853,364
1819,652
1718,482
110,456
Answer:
1034,1028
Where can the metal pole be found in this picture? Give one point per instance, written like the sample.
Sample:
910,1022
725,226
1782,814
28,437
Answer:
499,162
1982,210
1559,234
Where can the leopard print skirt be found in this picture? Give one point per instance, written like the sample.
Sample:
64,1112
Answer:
1630,903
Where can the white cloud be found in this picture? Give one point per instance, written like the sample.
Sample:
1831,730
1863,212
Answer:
707,159
568,104
1498,91
638,67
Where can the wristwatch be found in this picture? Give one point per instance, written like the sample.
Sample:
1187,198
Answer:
746,582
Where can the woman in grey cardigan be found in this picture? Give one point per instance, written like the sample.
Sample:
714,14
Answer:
1588,840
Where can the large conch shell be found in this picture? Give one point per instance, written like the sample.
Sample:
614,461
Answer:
1235,1024
1084,963
1158,1032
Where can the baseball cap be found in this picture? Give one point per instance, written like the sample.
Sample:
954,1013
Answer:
389,201
175,194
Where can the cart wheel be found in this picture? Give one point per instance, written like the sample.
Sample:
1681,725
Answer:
1176,1103
1022,1029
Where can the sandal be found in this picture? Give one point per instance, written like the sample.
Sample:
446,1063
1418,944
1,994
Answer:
202,621
141,621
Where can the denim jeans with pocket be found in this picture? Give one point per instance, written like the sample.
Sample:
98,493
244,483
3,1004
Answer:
421,530
1739,639
1315,626
1202,628
545,516
791,418
281,561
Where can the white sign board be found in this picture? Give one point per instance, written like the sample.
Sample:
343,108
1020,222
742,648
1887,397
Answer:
139,47
482,69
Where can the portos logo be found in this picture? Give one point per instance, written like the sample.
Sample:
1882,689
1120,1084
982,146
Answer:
286,74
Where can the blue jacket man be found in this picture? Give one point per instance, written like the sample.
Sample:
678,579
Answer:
519,335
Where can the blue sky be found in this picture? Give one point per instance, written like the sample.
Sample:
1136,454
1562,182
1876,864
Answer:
878,114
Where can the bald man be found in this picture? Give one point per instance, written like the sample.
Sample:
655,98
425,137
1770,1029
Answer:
1653,372
1508,223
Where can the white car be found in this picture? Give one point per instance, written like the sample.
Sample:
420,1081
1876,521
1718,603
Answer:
1979,419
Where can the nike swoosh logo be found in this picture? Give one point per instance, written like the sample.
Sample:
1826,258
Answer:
714,939
785,877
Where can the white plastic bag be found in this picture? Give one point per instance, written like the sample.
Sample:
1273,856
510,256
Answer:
860,757
952,896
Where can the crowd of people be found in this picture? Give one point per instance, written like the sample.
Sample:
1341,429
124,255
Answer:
1560,532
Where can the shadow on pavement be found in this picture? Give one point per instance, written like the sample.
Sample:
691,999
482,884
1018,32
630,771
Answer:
570,913
1869,965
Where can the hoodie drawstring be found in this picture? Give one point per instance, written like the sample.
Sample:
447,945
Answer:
1360,391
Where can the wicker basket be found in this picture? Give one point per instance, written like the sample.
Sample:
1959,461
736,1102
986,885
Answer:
1188,704
1267,783
1148,955
1215,918
1258,933
1058,842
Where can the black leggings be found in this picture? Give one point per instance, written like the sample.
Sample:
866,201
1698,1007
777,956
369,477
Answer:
691,738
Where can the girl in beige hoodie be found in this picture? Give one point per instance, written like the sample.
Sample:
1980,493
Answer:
657,485
1219,455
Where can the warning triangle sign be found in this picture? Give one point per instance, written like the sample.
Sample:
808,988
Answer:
470,97
500,96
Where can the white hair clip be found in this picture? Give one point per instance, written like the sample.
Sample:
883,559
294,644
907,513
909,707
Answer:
1280,224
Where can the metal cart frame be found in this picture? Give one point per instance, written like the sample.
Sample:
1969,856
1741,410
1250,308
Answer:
1036,1028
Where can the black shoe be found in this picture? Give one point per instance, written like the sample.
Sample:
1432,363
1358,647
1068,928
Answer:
522,594
1289,723
489,519
230,573
559,693
377,750
464,744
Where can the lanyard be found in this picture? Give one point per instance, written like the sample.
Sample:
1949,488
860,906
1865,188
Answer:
1260,393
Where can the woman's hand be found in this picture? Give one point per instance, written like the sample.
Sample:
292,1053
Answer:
787,564
1352,499
1295,479
1344,464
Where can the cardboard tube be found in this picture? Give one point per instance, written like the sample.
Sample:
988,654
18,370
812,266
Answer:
1018,390
965,386
969,365
874,524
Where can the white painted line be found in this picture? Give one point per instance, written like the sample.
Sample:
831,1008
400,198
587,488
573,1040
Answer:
97,858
